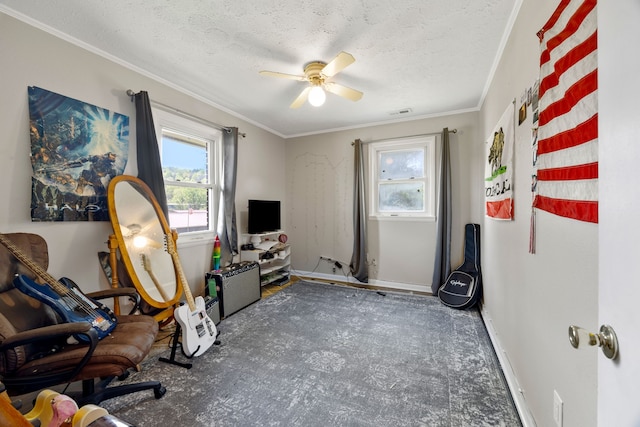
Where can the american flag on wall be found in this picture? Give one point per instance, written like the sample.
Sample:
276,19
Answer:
567,152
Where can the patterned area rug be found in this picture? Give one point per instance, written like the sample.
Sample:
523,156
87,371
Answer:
317,354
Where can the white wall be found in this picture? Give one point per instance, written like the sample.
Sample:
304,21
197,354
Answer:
320,204
33,57
530,300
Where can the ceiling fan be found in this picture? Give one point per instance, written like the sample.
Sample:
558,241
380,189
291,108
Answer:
319,74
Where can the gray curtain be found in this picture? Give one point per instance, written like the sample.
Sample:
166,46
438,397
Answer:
442,264
358,266
149,165
227,229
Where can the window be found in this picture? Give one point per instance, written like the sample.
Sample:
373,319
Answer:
189,152
402,178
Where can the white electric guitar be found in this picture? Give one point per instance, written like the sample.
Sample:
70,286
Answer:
198,331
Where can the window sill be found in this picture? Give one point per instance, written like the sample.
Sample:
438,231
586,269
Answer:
402,218
197,238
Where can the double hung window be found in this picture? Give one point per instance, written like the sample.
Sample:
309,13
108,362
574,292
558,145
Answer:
402,178
189,151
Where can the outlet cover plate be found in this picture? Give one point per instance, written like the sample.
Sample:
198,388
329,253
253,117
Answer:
557,409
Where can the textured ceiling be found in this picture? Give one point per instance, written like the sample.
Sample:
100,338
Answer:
432,56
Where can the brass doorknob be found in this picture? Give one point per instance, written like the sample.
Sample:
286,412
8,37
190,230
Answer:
605,339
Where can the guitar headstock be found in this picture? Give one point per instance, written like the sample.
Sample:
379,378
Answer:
169,244
171,249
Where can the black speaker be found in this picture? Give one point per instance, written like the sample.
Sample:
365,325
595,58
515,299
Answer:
236,286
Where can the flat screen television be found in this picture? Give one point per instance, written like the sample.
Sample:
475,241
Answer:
264,216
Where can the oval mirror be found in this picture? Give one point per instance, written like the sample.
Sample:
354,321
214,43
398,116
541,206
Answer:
141,230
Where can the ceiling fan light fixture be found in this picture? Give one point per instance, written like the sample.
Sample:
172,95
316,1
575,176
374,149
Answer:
318,74
317,96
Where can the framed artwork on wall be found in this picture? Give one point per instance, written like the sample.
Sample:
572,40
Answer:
76,148
499,167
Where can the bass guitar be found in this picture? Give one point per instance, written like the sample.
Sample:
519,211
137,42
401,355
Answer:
198,331
63,295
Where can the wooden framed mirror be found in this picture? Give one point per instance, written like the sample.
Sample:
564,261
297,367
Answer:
140,234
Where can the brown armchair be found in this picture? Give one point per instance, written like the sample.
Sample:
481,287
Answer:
34,353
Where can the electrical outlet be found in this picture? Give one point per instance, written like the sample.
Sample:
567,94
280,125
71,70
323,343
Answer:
325,258
557,409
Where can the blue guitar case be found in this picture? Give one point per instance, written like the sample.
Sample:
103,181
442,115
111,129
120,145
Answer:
463,287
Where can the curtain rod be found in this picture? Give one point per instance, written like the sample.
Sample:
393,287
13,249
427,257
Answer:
408,136
184,114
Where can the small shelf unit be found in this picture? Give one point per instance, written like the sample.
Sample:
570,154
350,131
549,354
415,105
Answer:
273,256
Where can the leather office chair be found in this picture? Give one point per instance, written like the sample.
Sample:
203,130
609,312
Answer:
34,353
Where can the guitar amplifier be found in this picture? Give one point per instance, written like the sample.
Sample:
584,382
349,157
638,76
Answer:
212,306
236,286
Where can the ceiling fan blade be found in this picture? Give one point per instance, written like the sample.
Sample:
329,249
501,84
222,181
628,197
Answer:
343,91
301,98
283,75
337,64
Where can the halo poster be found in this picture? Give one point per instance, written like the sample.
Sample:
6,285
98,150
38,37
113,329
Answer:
76,148
499,167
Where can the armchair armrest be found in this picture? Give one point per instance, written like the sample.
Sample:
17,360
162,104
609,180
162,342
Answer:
53,331
46,333
130,293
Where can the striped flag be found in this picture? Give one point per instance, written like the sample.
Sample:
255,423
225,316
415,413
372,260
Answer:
567,152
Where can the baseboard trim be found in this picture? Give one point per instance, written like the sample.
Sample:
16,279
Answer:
378,285
512,382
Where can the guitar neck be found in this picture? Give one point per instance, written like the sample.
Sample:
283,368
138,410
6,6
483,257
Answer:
33,266
183,280
146,263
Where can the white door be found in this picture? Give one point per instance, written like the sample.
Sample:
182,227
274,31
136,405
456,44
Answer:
619,194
